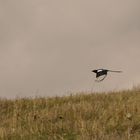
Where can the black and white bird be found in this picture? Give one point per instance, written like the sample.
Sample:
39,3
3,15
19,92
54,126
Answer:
102,72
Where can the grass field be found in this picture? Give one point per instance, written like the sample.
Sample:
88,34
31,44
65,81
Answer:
104,116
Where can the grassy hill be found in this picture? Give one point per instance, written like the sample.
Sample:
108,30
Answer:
104,116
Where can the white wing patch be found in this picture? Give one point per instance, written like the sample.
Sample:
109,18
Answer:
99,70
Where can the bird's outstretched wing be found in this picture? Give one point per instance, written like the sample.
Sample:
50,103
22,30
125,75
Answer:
99,80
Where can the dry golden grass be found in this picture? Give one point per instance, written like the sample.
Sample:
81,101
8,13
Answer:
106,116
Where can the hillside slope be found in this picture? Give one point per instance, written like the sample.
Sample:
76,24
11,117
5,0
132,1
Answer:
105,116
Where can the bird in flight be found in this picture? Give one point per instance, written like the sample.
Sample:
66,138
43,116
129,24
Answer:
102,72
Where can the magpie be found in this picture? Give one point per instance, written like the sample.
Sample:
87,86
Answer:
101,72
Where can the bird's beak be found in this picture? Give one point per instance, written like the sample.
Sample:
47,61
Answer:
94,71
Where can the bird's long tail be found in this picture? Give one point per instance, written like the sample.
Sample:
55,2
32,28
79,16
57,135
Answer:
114,71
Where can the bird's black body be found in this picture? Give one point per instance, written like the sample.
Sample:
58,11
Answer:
101,72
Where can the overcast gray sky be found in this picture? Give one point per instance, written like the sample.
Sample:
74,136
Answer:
49,47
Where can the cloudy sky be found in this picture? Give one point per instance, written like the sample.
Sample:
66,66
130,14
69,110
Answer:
49,47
